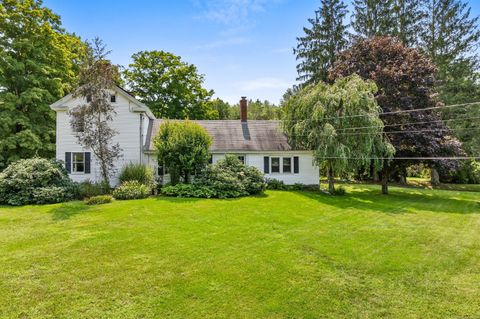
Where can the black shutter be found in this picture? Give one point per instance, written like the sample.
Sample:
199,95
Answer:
296,169
266,164
68,161
87,162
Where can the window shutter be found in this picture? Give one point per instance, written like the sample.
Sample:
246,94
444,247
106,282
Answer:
266,164
87,162
296,168
68,161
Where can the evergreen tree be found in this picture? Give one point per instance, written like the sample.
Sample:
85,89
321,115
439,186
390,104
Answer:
451,41
327,36
39,64
407,21
373,17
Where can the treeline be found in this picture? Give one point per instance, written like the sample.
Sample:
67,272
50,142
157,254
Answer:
443,38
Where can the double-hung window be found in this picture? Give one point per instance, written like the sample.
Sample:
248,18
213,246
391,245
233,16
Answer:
78,162
287,165
275,165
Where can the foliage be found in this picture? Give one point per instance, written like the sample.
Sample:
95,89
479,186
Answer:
188,190
89,189
275,184
98,200
231,178
468,173
319,46
97,78
372,17
257,110
405,79
131,190
221,110
183,147
170,87
323,118
138,172
228,178
38,65
35,181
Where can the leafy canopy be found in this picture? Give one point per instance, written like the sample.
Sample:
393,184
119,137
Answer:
183,147
170,87
39,64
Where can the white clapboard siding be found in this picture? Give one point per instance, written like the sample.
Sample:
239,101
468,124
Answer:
308,173
126,122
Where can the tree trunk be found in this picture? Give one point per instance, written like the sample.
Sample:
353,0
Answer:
331,181
434,177
385,181
376,178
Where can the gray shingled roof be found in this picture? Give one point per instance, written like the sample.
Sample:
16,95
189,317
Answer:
233,135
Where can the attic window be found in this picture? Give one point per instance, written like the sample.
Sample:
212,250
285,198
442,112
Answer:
113,98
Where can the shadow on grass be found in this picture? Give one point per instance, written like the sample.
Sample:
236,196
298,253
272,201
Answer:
67,210
397,202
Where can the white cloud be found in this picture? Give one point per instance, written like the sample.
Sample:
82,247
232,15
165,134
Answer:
263,83
224,43
231,11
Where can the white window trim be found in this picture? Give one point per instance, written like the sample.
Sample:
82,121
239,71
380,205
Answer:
74,162
281,172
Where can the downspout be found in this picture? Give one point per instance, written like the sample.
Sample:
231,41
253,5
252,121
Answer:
141,138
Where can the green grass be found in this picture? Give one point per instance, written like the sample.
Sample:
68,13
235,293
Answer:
412,254
425,183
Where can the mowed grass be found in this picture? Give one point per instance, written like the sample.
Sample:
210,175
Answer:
412,254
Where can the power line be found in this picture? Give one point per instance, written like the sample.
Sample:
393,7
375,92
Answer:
392,112
404,158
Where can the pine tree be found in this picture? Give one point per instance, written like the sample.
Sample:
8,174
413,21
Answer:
373,17
452,35
327,36
407,21
451,40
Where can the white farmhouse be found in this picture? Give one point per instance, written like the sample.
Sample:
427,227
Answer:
257,143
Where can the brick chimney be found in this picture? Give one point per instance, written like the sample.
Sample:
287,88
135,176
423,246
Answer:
243,109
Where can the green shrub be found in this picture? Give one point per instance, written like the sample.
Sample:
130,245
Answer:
97,200
36,181
89,189
188,190
138,172
131,190
231,178
228,178
468,173
275,184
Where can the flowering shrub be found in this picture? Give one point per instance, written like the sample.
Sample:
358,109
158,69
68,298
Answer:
131,190
35,181
227,178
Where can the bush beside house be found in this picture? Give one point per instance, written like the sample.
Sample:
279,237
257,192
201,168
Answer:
131,190
36,181
228,178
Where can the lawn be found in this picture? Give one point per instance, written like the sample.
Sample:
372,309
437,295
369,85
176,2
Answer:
412,254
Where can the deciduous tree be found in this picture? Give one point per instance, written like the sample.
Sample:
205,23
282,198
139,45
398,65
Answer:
97,81
324,118
39,64
183,147
170,87
405,79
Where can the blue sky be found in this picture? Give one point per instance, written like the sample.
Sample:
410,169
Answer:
243,47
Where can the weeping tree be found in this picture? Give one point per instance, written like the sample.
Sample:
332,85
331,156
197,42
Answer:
92,119
326,119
